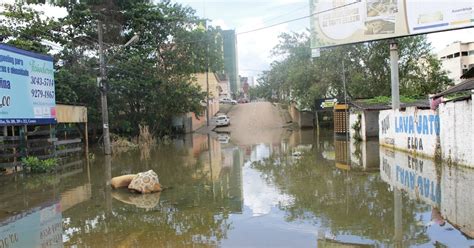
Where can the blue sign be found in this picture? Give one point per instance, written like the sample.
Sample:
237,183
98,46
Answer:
27,93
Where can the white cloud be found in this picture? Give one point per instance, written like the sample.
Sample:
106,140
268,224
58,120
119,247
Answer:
442,39
254,48
221,23
259,196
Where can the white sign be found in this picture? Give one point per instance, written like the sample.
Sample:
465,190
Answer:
337,22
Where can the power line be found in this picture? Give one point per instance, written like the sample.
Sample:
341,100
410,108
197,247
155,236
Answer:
287,13
296,19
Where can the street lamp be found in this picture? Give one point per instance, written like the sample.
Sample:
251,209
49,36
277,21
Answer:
103,88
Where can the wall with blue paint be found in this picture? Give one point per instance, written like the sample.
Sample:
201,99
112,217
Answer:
415,175
413,130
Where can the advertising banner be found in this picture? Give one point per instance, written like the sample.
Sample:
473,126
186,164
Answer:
337,22
39,227
27,93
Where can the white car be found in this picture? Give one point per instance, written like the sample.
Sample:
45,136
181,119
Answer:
223,138
222,120
228,101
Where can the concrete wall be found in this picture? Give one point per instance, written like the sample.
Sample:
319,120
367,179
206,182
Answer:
303,118
457,138
413,130
415,175
353,117
294,113
449,189
306,119
457,190
365,155
190,122
369,123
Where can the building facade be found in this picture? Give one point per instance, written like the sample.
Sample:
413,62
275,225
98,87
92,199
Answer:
190,122
224,90
457,58
231,67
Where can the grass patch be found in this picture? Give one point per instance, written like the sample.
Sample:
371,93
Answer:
36,165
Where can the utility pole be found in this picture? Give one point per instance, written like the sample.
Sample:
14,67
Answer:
207,75
394,74
103,93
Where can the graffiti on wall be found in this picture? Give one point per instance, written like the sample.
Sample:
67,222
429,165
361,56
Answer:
421,125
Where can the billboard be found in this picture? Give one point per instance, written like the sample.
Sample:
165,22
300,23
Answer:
27,93
338,22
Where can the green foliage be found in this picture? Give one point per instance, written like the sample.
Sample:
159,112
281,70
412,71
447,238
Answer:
297,77
357,128
149,81
35,165
388,100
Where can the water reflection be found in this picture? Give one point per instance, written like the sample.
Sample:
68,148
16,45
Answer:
335,193
442,189
32,206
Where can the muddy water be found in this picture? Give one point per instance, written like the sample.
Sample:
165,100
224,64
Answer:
303,191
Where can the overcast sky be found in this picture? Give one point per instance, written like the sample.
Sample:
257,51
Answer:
254,48
246,15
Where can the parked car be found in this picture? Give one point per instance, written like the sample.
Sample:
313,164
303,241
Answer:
227,101
223,138
243,100
222,120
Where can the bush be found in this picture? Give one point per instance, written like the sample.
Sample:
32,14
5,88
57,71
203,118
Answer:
35,165
388,100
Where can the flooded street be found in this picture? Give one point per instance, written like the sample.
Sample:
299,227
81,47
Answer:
292,189
233,195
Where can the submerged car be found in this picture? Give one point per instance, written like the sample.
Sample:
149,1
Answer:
222,120
223,138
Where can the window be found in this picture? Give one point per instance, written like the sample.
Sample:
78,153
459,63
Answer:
450,56
464,53
471,52
456,55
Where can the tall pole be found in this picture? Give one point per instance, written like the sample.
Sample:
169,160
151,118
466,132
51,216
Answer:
346,119
398,215
103,93
394,75
207,75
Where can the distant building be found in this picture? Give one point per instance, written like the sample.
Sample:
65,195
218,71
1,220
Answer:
224,86
457,59
251,81
245,86
190,122
230,59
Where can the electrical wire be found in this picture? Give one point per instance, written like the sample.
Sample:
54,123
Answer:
295,19
285,14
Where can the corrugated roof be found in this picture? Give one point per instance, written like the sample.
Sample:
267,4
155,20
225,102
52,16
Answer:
464,86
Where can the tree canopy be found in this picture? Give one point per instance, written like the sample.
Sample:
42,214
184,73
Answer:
149,81
294,75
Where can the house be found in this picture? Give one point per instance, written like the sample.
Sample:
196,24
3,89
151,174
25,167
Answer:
190,122
224,86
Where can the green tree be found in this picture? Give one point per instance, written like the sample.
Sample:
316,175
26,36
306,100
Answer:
149,81
296,76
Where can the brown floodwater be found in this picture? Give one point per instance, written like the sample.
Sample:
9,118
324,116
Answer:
306,190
